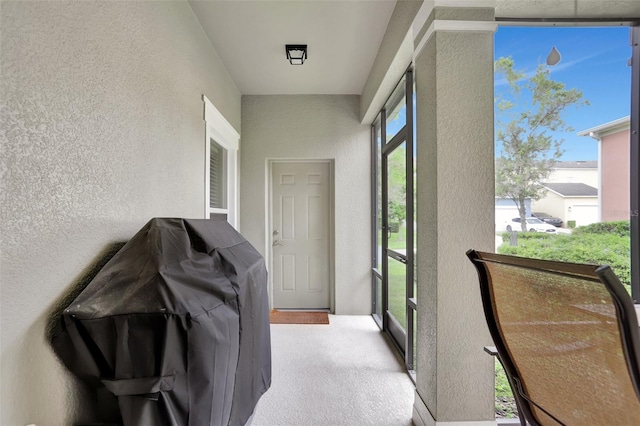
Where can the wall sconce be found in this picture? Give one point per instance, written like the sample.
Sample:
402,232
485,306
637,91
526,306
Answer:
296,53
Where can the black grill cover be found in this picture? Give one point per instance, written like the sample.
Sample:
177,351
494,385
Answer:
176,326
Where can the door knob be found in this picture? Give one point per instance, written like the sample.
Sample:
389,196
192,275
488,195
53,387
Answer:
277,243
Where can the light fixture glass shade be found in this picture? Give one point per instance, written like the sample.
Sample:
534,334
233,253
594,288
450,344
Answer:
296,58
553,57
296,53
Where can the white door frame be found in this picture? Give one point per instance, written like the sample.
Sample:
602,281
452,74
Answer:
268,249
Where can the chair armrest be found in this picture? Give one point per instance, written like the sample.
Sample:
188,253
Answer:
491,350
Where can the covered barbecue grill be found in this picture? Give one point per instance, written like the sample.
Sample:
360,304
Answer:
176,326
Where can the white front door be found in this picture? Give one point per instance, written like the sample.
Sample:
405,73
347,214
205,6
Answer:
300,234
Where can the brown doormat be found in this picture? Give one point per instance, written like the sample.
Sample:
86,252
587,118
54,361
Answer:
298,317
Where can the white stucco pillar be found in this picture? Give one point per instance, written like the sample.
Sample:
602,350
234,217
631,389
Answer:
455,209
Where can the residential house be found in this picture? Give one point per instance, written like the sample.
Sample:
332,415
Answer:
572,192
614,171
109,110
575,172
571,201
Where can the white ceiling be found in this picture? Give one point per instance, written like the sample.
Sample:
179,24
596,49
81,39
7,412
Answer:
343,39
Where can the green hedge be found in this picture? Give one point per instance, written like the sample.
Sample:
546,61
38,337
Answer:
602,243
620,228
528,236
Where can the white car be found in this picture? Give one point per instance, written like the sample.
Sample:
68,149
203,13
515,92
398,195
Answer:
533,225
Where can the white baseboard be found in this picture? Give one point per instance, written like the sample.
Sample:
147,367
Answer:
422,417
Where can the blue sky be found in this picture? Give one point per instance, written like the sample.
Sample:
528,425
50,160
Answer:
594,60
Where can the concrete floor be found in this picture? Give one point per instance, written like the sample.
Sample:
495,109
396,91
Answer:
345,373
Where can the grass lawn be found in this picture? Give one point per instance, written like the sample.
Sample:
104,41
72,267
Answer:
505,404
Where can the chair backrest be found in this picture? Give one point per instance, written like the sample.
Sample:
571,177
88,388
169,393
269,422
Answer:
568,337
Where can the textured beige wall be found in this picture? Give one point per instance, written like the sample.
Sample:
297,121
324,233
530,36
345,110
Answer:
314,127
102,129
427,217
455,210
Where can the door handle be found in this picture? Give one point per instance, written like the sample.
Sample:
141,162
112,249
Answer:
277,243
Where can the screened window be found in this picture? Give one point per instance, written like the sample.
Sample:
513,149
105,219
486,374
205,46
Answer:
221,167
393,224
217,176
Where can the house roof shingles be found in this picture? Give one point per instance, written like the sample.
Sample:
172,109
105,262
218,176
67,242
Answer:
572,189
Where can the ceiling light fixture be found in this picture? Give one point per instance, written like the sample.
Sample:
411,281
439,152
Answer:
296,53
554,57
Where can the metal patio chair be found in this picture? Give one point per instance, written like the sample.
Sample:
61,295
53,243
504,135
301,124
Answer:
567,335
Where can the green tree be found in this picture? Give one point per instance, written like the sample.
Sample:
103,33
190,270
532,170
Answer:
526,113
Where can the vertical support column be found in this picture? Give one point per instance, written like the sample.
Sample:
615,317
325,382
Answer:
455,210
635,163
